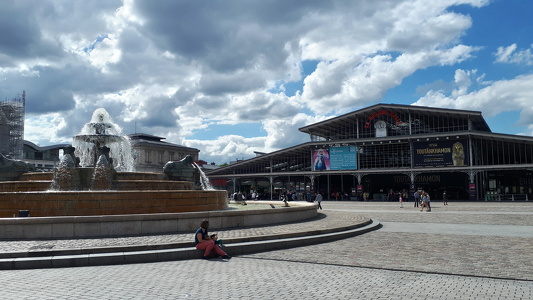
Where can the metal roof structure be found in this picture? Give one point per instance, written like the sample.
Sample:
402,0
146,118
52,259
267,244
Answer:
400,113
345,129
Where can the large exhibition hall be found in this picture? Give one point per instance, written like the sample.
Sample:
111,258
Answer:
387,149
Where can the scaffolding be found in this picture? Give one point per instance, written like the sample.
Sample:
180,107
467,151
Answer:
12,126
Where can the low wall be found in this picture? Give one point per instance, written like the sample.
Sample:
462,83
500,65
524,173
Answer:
146,224
95,203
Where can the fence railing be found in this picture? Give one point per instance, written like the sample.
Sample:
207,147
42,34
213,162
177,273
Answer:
506,197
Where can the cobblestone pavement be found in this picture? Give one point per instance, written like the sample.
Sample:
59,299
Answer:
247,278
475,239
327,221
447,256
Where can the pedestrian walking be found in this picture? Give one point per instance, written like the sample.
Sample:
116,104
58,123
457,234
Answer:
401,201
319,199
444,198
425,202
417,198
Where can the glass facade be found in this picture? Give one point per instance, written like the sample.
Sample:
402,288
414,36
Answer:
394,147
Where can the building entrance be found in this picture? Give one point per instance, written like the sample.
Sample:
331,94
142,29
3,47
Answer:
455,184
510,185
381,186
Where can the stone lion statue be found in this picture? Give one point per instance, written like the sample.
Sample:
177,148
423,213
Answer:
11,169
182,170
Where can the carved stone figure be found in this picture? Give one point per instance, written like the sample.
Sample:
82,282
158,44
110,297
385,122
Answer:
70,150
11,169
182,170
66,176
103,174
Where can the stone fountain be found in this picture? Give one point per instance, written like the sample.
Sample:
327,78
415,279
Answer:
94,193
95,178
99,134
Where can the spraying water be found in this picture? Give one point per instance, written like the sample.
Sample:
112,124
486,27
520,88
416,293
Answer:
102,132
204,180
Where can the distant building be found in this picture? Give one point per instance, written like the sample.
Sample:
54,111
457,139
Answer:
43,158
151,153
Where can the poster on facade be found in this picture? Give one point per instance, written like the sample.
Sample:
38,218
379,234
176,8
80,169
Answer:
343,158
440,153
321,159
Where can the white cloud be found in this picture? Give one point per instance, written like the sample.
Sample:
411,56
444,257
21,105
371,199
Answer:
42,129
179,68
340,84
285,133
280,134
501,96
510,55
463,82
227,148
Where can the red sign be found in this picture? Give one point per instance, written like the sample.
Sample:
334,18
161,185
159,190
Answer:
383,112
219,182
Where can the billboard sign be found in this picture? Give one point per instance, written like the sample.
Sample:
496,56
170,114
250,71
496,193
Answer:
343,158
321,159
440,153
335,158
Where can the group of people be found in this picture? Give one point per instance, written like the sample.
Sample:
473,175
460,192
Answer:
292,196
240,196
395,196
423,200
288,196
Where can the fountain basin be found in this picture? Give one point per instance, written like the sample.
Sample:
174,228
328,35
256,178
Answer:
132,193
113,202
97,189
145,224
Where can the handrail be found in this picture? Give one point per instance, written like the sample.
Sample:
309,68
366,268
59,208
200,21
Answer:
506,197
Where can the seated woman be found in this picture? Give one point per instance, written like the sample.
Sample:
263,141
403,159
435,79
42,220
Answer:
206,242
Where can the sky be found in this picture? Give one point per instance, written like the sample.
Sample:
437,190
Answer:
235,77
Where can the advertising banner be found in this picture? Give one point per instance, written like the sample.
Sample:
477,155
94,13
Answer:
440,153
343,158
321,159
335,158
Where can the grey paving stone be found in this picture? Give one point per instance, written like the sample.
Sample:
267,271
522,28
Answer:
384,264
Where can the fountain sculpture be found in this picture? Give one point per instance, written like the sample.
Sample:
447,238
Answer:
95,177
101,132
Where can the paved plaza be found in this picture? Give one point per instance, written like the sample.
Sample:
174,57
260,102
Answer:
462,251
